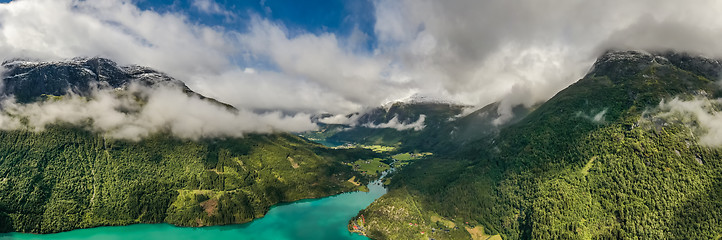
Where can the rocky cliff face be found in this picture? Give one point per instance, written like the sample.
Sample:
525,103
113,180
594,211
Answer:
623,64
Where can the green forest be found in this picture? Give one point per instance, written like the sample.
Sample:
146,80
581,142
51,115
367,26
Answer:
599,160
559,174
66,178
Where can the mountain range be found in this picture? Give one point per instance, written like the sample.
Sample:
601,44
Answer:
68,175
627,152
620,154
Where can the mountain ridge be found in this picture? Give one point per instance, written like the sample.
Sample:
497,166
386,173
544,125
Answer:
558,173
67,176
27,81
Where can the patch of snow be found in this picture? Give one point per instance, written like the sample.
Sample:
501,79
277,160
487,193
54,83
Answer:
87,70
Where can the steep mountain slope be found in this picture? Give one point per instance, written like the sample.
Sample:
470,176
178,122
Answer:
421,120
28,80
71,176
600,160
440,127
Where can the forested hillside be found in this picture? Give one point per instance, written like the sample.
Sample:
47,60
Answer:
600,160
65,176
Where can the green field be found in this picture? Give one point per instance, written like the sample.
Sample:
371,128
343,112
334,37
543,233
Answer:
403,159
377,148
371,167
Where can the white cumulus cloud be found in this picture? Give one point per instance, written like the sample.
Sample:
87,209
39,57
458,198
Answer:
471,52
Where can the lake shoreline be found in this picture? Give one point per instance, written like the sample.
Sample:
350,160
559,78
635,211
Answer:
344,205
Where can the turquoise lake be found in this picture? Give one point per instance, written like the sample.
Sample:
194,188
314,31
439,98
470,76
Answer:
324,218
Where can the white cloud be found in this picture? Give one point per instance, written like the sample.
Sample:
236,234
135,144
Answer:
343,119
120,114
394,123
211,7
266,9
700,114
523,52
594,117
353,120
204,57
319,59
48,29
473,52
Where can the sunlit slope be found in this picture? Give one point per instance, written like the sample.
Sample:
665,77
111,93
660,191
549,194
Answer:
593,162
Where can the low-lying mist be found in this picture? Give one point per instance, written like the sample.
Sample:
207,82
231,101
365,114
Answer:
138,111
702,115
394,123
353,121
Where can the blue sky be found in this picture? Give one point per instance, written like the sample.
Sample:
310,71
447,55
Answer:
339,17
